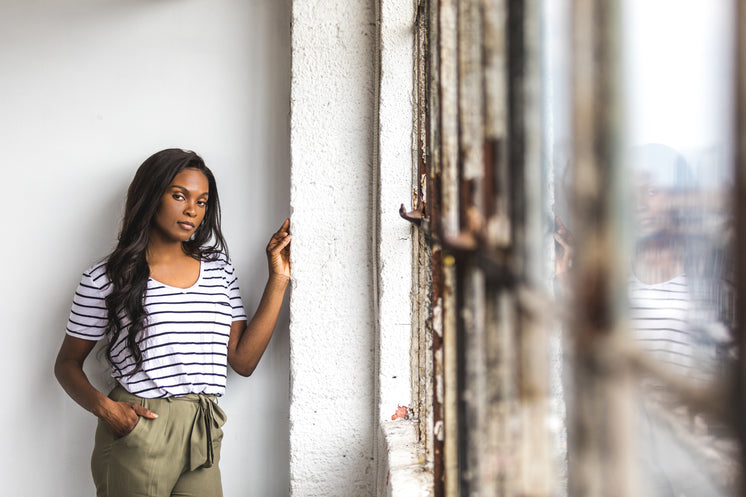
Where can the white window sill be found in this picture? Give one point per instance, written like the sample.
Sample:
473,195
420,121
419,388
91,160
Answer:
403,472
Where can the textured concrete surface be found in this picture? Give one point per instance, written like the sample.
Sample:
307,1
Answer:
400,460
352,160
332,332
403,473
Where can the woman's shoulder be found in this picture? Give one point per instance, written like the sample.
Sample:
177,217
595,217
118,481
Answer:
97,272
217,261
95,277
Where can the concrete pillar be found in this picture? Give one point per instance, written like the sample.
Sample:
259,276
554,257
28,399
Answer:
332,330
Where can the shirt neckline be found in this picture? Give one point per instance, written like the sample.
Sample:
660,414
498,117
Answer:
678,279
183,289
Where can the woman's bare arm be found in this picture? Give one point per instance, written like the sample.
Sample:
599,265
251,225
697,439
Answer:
247,344
120,417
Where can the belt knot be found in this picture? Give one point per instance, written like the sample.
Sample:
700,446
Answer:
205,429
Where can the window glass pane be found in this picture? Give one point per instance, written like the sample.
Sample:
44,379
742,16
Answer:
677,85
556,132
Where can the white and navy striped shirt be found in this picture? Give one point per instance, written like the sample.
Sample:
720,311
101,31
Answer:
660,317
185,341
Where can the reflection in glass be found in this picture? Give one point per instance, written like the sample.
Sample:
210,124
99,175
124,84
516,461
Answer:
677,266
680,315
680,293
676,135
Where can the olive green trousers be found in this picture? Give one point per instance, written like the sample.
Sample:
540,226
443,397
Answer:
176,454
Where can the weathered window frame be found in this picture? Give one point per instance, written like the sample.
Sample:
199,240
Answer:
476,97
479,377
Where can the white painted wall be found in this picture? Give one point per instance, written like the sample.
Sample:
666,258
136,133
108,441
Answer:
332,331
396,160
89,89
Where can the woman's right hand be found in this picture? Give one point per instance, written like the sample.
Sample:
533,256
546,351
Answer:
564,252
278,251
122,417
565,248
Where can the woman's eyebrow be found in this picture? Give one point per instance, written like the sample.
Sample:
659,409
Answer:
184,189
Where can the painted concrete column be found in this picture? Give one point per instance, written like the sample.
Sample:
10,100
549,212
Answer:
399,459
332,330
393,236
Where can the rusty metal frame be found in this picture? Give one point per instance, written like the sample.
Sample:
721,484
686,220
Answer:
481,382
428,331
601,461
470,206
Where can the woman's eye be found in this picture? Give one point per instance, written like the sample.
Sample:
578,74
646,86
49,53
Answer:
202,203
178,196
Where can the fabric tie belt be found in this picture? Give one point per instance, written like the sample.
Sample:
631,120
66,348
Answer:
205,428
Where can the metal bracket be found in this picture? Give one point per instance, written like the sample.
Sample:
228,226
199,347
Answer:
415,217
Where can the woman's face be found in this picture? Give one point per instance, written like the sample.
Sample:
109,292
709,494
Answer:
182,207
653,207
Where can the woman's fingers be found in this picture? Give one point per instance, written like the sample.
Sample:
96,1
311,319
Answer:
280,238
125,417
281,243
144,412
561,240
276,244
278,250
283,231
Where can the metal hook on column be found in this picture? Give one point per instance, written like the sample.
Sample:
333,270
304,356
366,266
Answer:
416,216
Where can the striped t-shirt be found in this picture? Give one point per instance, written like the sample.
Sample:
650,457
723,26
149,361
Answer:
185,340
660,317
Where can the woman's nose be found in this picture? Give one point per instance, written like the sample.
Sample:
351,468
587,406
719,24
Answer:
190,209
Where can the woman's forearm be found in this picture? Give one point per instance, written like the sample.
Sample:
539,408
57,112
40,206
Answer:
120,417
74,381
247,345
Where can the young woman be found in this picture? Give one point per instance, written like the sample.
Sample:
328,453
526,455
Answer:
167,301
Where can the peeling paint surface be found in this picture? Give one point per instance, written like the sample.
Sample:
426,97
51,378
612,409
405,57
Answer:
402,412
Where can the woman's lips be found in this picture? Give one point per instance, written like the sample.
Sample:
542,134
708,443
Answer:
186,225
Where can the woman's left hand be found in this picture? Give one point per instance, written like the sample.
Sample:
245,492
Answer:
278,251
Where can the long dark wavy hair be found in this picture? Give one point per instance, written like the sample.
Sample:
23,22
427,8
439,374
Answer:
127,266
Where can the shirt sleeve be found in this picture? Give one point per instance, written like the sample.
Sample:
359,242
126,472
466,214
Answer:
234,293
88,313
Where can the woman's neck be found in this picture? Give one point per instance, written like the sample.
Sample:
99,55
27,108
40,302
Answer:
658,262
161,250
170,265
